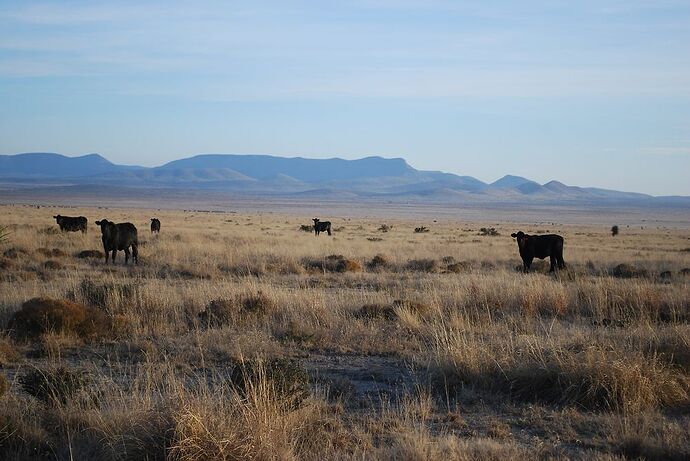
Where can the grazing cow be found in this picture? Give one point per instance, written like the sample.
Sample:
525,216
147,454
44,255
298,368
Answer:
119,237
155,225
321,226
540,246
71,224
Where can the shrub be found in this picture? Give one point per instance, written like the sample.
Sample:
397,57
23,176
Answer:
221,312
375,239
378,262
14,252
3,385
334,263
384,228
90,254
489,231
101,294
306,228
53,265
421,230
288,378
628,271
42,315
8,353
456,268
51,253
614,231
422,265
55,384
376,311
6,264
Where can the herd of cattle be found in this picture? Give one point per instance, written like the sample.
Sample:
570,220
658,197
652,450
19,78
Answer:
123,236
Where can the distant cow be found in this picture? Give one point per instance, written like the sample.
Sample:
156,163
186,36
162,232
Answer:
119,237
320,226
71,224
155,225
540,246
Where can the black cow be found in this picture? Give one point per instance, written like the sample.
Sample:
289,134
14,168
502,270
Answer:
540,246
71,224
119,237
320,226
155,225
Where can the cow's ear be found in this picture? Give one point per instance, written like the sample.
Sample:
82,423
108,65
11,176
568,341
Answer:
98,223
514,235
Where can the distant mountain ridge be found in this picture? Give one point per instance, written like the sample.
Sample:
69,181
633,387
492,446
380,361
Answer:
369,176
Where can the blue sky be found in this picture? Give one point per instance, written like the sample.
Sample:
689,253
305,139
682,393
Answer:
592,93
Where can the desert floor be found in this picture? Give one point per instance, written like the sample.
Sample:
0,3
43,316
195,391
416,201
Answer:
241,336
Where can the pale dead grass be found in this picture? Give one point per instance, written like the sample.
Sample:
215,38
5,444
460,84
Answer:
582,344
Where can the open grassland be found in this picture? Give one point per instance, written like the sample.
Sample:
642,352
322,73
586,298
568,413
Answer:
240,336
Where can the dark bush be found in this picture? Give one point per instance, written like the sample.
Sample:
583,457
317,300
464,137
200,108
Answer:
51,253
90,254
6,264
333,263
221,312
489,231
43,315
628,271
53,265
376,311
384,228
306,228
100,294
289,379
378,262
54,385
4,386
421,230
423,265
614,231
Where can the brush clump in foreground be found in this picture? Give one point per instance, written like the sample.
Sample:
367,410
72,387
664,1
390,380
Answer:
374,343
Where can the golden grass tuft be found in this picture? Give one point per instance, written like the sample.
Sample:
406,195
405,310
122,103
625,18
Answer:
46,315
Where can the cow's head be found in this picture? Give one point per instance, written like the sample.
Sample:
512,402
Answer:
521,238
57,218
104,224
316,221
154,219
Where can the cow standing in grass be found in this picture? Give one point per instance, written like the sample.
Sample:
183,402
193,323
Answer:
119,237
540,246
155,225
321,226
71,224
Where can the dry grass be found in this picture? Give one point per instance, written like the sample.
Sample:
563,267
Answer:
228,343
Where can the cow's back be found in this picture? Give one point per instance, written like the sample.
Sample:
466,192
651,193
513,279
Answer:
547,245
126,235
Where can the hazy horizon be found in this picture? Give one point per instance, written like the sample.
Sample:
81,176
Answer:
595,94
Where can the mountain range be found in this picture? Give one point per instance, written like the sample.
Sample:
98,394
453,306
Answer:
266,174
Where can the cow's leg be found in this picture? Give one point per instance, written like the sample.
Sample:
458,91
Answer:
105,250
126,255
561,263
527,263
113,256
135,253
552,260
329,230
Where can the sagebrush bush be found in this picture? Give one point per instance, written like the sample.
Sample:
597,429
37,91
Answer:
55,384
288,379
90,254
3,385
222,312
8,353
43,315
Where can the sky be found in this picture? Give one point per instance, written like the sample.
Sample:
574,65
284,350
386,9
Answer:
591,93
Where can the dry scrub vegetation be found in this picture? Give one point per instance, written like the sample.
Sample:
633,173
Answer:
244,337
